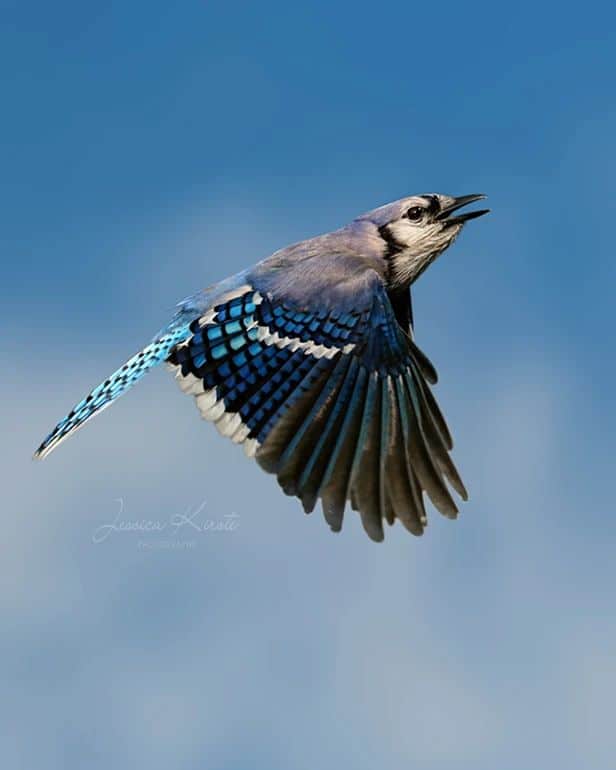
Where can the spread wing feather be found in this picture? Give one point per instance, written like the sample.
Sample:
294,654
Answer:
334,400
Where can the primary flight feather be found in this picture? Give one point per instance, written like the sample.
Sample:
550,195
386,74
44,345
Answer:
308,360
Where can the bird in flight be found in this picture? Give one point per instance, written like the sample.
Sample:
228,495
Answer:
309,361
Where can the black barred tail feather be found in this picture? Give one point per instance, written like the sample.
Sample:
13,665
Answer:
337,405
112,388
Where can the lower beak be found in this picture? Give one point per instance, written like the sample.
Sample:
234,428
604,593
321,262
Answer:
458,203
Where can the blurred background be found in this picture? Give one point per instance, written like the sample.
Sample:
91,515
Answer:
150,149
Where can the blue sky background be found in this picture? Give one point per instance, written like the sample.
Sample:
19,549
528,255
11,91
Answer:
149,149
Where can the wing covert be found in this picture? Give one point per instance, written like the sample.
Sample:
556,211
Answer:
335,401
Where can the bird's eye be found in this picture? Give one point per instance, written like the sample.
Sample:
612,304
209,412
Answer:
415,213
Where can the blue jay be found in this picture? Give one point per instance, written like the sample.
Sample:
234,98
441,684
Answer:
308,360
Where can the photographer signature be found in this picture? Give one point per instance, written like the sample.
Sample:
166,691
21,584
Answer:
192,520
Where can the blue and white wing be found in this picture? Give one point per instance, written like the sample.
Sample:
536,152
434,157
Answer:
331,396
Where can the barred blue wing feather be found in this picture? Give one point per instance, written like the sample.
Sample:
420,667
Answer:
335,403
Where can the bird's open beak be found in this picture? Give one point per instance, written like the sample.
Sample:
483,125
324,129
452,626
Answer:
463,200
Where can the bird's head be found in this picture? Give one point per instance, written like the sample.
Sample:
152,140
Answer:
417,229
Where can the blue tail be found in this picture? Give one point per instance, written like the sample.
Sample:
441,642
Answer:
114,386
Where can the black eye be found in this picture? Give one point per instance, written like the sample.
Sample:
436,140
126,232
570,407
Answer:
415,213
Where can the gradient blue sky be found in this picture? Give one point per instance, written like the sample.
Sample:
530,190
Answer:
149,149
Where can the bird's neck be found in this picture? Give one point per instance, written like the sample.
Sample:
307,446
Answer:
404,267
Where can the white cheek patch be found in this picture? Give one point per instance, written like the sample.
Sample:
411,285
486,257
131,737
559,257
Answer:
405,232
420,239
419,244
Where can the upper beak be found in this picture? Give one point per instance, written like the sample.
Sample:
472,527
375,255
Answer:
463,200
